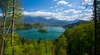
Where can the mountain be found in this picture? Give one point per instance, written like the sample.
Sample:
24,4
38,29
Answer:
31,20
74,24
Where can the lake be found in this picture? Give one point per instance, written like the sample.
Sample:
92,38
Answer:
54,32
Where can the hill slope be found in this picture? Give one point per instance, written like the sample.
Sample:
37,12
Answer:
78,40
74,24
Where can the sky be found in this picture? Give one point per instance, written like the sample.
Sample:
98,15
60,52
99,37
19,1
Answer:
67,10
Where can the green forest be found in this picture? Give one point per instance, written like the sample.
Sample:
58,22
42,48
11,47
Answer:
79,40
24,26
76,41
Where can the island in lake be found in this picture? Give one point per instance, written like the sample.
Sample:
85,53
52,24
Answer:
42,30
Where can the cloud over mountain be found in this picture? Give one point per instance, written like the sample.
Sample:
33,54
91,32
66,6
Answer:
61,15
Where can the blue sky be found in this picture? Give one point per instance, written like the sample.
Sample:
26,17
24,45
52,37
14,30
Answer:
58,9
51,5
46,4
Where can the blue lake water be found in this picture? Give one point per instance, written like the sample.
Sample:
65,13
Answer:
54,32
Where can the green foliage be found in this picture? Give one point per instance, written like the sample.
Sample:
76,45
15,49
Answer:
49,47
61,45
24,26
98,37
81,39
25,46
18,26
42,30
76,41
0,40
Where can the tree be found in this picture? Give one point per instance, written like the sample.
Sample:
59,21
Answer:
80,39
4,5
96,19
61,45
15,16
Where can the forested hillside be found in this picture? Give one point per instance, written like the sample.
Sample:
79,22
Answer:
80,39
76,41
25,26
74,24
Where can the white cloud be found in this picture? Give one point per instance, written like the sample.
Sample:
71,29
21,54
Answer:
51,7
1,14
62,3
81,7
22,8
47,15
55,6
59,15
87,1
31,9
69,5
90,3
54,0
87,10
59,9
53,10
72,11
83,3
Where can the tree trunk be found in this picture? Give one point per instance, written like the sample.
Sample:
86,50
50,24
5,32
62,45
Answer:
3,35
4,47
95,21
5,14
13,18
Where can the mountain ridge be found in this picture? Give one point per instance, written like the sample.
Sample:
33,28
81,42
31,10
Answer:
74,24
53,21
